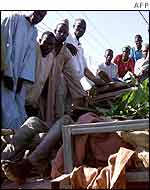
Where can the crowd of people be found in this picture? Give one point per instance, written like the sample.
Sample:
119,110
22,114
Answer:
44,79
129,61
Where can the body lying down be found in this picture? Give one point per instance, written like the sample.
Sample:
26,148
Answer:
100,160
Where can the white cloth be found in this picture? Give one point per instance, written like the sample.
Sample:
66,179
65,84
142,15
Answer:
141,65
20,42
79,61
111,70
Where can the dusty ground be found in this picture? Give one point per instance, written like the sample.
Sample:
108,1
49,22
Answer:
31,183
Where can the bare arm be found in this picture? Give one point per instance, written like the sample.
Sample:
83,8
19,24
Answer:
72,49
90,76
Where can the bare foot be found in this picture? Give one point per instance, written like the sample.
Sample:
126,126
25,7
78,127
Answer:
17,171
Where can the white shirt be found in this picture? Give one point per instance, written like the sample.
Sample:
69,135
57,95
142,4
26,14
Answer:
111,70
79,61
140,66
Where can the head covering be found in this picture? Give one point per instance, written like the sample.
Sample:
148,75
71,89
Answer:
65,21
126,47
80,20
138,36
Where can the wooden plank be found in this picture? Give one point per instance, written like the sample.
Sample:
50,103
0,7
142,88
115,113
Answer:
112,94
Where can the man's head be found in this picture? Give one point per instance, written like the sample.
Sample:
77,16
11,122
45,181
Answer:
79,27
108,55
138,41
62,30
36,17
145,50
125,52
47,43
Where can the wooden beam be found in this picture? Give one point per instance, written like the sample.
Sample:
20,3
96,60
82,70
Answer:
111,94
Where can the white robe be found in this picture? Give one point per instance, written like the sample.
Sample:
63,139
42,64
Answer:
140,66
79,62
20,42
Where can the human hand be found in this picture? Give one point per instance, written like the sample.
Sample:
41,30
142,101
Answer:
103,75
99,82
19,85
72,49
8,82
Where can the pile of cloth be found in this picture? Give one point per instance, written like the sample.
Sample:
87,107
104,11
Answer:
100,160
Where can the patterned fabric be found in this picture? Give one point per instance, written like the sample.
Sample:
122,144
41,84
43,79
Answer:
124,67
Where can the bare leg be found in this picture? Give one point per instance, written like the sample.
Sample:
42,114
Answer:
52,137
14,170
22,138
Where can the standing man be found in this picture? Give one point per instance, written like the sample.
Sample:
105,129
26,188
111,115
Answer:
20,35
79,61
136,52
62,78
44,62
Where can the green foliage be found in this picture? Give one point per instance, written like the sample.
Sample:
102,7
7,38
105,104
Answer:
134,104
